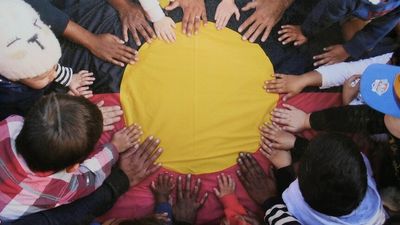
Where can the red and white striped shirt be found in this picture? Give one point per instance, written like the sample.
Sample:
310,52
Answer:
23,192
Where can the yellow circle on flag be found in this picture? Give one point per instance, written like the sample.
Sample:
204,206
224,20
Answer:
202,96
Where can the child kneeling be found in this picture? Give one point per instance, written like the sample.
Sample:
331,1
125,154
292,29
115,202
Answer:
334,185
48,160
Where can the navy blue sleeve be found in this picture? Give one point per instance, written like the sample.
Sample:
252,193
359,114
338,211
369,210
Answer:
50,15
326,13
164,207
367,38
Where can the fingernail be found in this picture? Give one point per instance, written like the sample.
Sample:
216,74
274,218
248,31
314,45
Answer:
151,138
131,62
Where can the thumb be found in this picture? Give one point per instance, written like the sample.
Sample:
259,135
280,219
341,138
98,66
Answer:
172,6
100,104
75,92
287,96
250,5
237,14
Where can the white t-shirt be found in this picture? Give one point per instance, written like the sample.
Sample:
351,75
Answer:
337,74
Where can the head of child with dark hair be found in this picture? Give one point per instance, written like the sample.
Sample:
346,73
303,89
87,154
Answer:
334,185
59,132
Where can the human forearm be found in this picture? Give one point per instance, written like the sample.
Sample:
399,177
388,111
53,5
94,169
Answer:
324,14
153,9
85,209
311,79
75,33
284,177
276,212
367,38
118,4
337,74
348,119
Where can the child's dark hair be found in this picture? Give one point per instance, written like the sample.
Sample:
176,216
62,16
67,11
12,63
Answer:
143,221
332,175
59,131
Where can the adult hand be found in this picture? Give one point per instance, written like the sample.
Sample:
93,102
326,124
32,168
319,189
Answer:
333,54
266,16
258,185
187,204
292,33
111,49
193,12
111,115
139,162
133,19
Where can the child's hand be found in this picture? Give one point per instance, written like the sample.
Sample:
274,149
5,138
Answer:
79,80
165,29
278,158
111,115
291,118
162,188
126,138
351,87
273,137
289,84
333,54
226,186
291,33
224,12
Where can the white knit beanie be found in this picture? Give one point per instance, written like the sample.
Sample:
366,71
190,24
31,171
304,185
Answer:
28,47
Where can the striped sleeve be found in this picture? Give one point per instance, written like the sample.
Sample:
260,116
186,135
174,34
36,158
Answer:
276,213
64,75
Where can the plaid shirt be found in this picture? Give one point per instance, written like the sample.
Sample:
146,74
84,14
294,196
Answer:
23,192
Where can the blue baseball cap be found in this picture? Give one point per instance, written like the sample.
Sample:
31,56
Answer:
380,88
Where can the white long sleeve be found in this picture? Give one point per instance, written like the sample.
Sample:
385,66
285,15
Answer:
153,9
337,74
